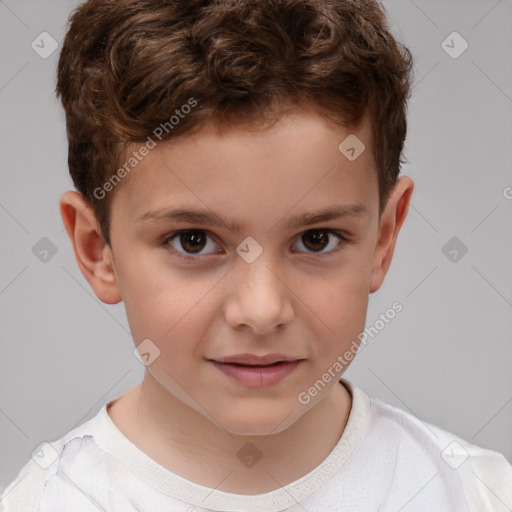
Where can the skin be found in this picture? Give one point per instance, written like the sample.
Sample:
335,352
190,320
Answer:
295,298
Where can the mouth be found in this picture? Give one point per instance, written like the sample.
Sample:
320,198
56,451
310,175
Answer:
255,360
257,371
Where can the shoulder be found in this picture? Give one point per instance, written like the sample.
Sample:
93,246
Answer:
27,489
485,475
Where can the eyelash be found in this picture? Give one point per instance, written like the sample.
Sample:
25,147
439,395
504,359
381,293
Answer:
339,234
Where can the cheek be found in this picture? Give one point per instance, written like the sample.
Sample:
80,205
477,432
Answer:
167,306
340,302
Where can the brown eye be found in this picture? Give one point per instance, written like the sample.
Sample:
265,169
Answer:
317,240
193,241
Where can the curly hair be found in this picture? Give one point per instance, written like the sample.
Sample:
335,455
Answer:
127,66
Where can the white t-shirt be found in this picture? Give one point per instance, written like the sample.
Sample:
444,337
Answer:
386,460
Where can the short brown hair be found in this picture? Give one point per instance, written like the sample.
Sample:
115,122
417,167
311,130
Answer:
126,66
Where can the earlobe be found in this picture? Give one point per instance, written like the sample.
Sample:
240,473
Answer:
391,222
93,255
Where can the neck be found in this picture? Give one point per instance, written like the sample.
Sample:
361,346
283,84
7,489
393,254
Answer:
182,440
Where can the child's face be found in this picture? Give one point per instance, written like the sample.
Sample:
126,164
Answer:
304,297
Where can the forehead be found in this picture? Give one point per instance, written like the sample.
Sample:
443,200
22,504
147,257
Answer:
299,162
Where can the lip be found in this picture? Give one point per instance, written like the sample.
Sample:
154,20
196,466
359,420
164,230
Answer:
252,359
257,371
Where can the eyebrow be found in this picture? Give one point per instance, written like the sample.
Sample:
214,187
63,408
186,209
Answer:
207,217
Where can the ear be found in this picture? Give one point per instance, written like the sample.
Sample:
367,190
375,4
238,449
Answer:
390,223
92,253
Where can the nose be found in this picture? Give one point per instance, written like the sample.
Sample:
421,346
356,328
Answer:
258,300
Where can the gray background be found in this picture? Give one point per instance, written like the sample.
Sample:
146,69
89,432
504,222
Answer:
446,357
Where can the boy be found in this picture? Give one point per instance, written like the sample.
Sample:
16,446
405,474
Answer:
237,171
